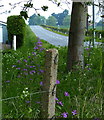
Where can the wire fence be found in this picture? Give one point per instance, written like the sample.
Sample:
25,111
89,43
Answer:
48,91
5,99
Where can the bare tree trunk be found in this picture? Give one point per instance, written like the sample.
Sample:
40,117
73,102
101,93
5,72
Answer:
76,35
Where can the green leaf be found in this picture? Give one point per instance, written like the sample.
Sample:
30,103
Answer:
59,107
24,14
30,110
58,4
44,8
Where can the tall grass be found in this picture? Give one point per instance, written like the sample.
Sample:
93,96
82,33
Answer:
79,93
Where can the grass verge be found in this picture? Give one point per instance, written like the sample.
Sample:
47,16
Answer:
23,72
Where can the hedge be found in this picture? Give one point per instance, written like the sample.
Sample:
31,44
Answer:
88,33
97,33
63,30
16,26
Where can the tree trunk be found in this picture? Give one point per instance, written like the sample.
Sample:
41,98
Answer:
76,35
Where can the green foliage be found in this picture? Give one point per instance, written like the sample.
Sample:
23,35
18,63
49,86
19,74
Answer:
84,86
62,30
30,5
60,16
66,21
97,33
51,21
36,20
100,23
16,26
44,8
24,14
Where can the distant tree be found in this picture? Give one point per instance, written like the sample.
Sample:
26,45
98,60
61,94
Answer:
31,19
51,21
60,16
39,20
66,21
99,23
36,20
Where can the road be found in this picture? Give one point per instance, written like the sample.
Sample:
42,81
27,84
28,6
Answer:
53,38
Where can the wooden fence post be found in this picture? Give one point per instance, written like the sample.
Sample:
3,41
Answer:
14,42
49,84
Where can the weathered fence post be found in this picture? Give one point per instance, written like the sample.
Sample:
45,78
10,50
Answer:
49,84
14,42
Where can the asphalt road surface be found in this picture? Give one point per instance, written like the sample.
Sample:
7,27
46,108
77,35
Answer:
53,38
49,36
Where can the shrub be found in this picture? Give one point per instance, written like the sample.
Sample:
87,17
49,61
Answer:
16,26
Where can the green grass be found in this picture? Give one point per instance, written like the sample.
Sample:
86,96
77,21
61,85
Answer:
56,31
84,86
97,27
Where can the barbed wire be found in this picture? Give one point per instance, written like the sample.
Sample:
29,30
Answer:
28,95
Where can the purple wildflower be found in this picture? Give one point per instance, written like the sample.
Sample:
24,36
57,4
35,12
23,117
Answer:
87,64
60,103
38,102
24,69
27,101
25,73
13,65
18,68
65,115
31,66
41,83
8,81
66,93
30,79
36,48
39,45
33,53
89,68
57,82
25,60
74,112
87,48
96,119
41,71
18,76
56,99
39,42
18,61
31,73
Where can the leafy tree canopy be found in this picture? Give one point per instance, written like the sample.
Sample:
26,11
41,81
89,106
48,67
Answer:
99,23
60,16
36,20
51,21
66,20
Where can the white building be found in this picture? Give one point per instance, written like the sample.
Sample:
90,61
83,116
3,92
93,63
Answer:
3,32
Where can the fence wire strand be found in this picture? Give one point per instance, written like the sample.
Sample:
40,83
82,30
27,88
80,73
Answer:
25,96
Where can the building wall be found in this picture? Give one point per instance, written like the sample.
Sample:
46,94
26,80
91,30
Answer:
3,33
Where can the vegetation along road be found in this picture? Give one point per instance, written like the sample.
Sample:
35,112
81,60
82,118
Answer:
53,38
49,36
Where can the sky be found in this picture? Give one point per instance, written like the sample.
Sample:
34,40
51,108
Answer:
8,4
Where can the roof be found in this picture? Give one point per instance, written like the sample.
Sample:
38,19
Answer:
3,23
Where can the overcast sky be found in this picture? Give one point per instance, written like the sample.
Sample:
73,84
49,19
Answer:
8,4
